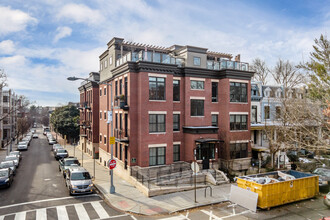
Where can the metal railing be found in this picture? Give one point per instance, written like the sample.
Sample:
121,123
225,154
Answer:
227,64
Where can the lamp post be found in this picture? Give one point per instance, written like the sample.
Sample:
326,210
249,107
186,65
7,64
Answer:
73,78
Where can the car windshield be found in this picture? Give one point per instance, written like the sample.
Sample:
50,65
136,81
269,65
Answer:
61,151
6,165
80,176
322,172
3,173
69,162
11,158
14,153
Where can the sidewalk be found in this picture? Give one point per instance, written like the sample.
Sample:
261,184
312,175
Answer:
129,199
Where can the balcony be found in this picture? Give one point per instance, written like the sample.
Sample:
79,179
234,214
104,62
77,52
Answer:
227,64
121,102
150,57
121,135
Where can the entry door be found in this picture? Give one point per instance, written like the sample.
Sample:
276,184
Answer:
126,157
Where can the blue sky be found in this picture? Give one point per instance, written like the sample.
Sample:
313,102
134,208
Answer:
44,42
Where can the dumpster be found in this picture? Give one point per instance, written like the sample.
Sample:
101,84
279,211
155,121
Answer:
280,187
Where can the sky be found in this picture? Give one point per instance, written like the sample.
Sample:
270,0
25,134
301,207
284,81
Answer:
44,42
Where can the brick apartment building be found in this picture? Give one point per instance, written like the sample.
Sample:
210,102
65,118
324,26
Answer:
89,104
173,104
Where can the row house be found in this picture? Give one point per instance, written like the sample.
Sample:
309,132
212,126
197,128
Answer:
89,118
9,105
180,103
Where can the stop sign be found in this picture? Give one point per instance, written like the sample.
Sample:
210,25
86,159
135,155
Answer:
112,164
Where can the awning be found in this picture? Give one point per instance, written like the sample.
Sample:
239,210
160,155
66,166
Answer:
260,149
208,140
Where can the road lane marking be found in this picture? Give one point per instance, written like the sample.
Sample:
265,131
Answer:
100,210
62,214
20,216
210,214
81,212
48,200
41,214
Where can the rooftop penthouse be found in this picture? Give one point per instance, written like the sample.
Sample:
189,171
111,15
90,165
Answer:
120,52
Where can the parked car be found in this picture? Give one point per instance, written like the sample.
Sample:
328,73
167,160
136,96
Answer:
23,145
324,178
35,136
60,154
8,164
13,158
6,177
56,148
78,180
56,145
17,153
66,163
52,141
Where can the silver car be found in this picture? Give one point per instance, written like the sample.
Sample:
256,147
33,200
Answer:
22,145
13,158
17,154
78,180
8,164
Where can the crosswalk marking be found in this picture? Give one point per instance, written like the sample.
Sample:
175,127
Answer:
20,216
81,212
41,214
62,214
100,210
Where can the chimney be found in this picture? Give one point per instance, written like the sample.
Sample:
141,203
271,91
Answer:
238,58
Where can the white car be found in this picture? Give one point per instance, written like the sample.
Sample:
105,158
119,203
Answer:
35,136
23,145
17,154
52,141
13,158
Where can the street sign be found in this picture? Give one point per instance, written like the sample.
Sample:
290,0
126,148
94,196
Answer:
112,140
111,164
195,167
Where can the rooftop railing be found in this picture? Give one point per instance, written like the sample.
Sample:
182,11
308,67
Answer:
150,57
226,64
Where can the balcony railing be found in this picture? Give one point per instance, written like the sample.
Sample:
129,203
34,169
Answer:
150,57
121,135
227,64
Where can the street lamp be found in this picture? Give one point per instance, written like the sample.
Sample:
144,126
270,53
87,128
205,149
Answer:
73,78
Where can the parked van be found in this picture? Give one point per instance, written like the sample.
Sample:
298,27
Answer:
78,180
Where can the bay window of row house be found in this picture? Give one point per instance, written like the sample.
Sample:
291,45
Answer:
194,84
176,90
156,88
176,152
176,122
267,112
254,114
238,122
238,150
238,92
196,107
157,156
156,123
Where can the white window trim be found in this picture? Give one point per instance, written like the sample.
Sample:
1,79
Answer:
196,97
240,141
157,75
176,113
126,75
238,80
157,145
177,142
197,79
238,113
157,112
176,78
214,80
214,113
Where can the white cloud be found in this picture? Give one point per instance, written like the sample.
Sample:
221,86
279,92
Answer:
80,13
14,20
62,32
7,47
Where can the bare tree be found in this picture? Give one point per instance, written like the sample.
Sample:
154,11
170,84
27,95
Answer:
3,79
261,70
287,75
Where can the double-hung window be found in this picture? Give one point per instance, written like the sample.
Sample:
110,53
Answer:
238,150
156,88
196,107
157,123
238,92
176,122
195,84
215,120
176,90
157,156
267,112
238,122
176,152
214,92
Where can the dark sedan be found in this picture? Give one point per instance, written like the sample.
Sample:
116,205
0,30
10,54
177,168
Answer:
6,177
